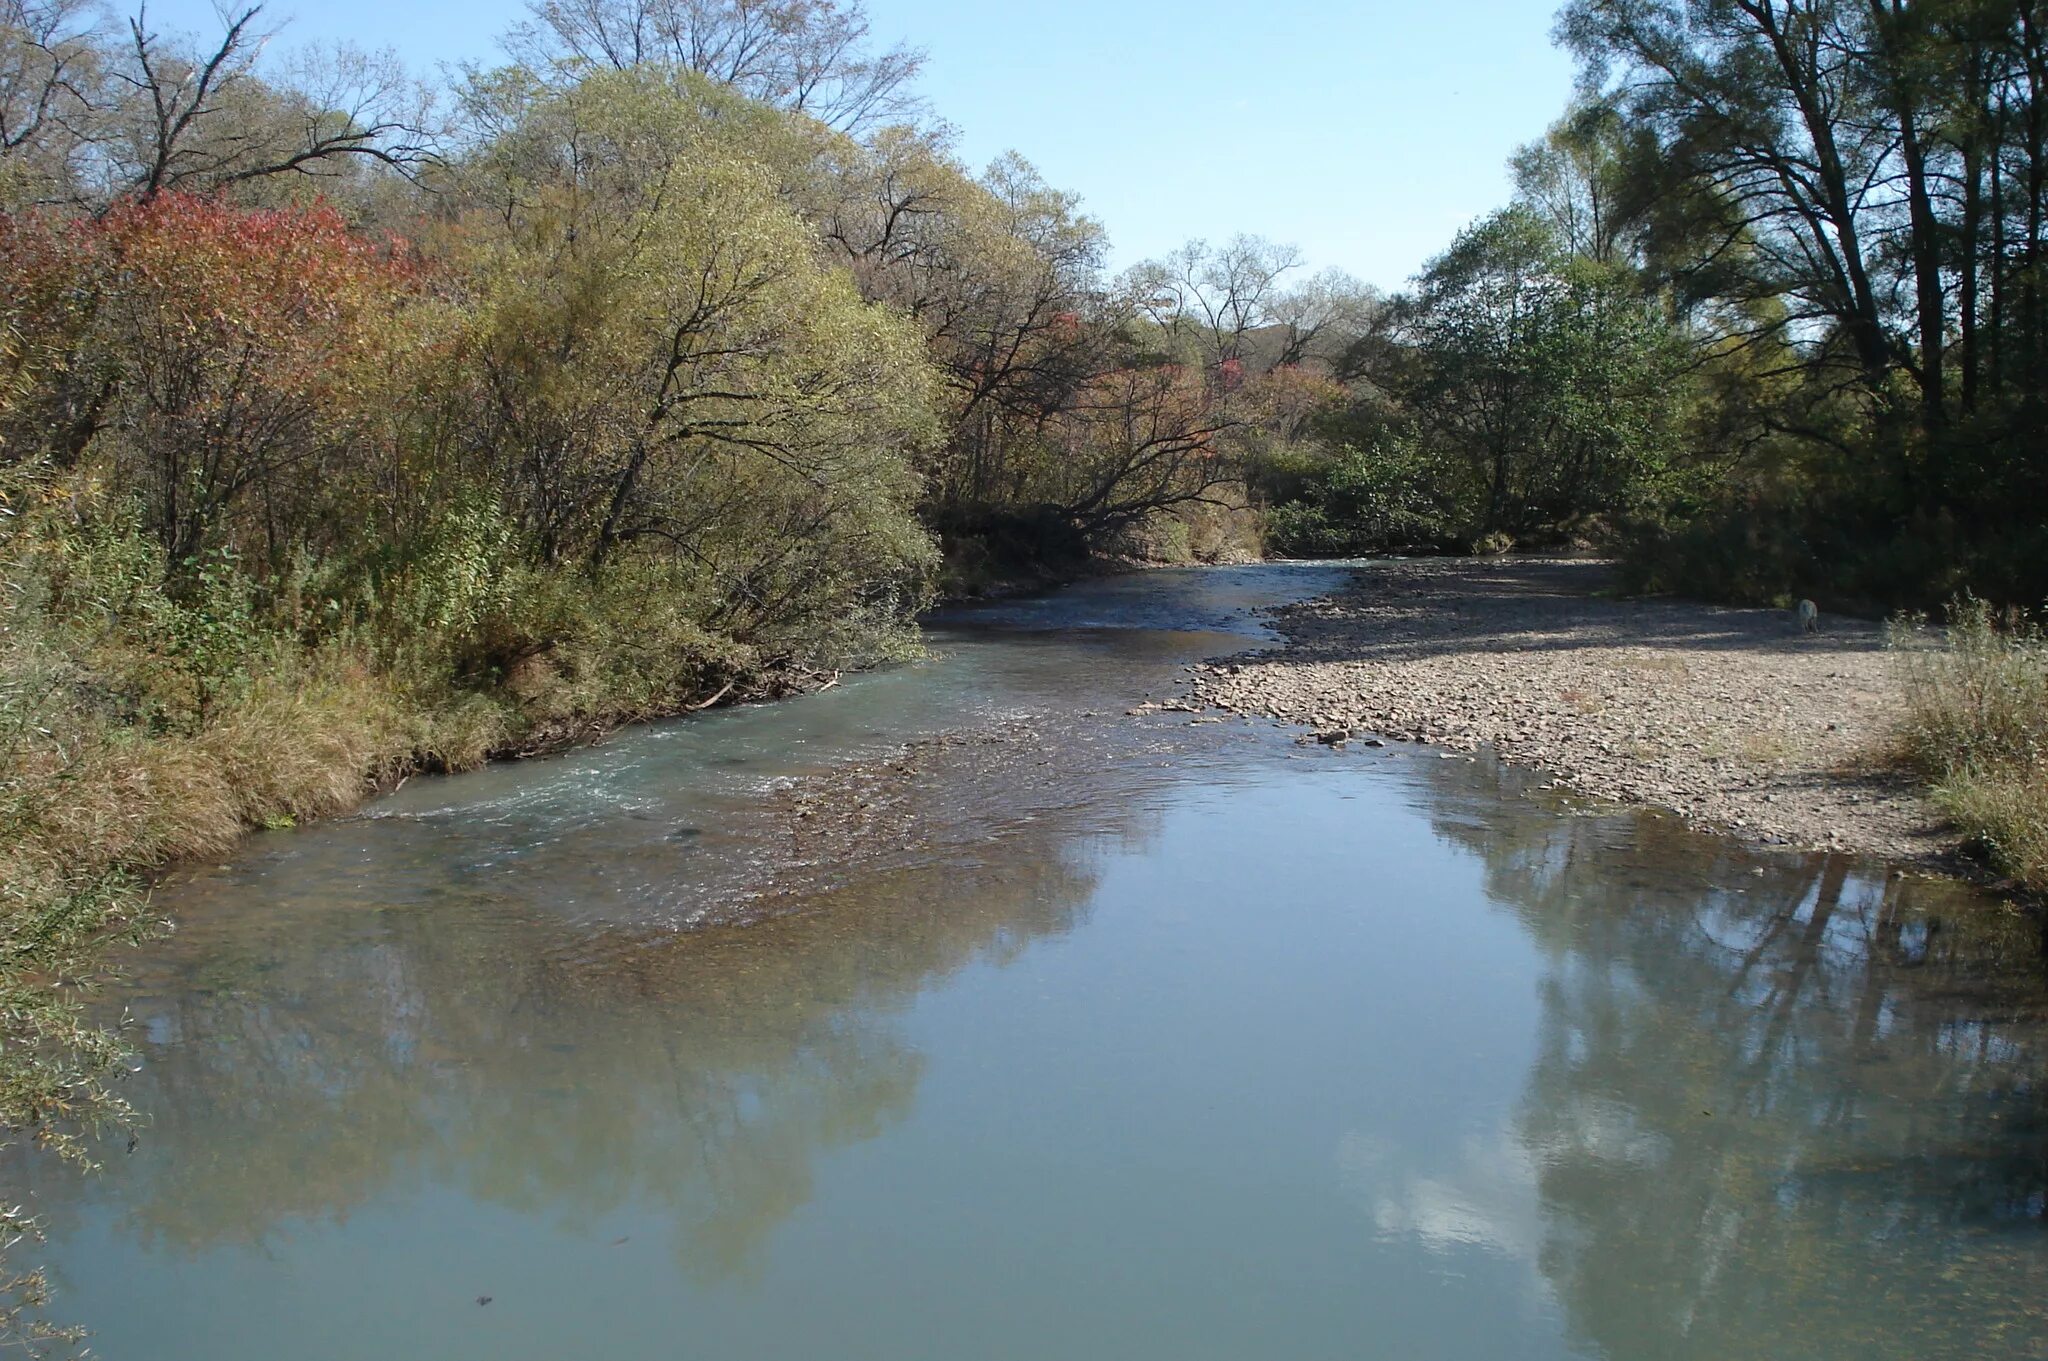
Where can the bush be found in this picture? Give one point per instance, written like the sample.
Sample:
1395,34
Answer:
990,548
1975,729
1753,554
146,717
1377,498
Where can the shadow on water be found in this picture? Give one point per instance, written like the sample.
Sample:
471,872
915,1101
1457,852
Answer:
1517,604
1081,1035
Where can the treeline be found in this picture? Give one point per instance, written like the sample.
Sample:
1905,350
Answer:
1767,316
676,286
671,351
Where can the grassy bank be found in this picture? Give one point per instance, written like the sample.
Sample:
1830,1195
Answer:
146,719
1976,730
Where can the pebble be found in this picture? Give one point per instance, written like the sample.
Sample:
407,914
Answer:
1728,715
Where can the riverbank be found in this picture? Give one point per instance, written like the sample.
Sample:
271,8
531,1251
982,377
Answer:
1731,718
94,811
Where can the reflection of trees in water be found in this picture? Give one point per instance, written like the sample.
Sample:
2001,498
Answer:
1781,1108
307,1067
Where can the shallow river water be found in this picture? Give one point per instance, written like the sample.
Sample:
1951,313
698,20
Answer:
953,1013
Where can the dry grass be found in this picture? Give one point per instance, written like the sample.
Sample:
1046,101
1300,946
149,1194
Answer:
1975,728
1766,747
301,744
2006,814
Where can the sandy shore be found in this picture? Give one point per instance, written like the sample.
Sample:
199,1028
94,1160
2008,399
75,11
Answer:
1732,718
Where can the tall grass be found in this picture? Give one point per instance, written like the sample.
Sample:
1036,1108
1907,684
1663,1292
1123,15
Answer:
1975,728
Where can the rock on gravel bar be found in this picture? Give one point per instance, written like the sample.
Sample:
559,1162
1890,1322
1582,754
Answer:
1733,718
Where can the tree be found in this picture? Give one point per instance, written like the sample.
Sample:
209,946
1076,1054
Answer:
1318,320
1138,441
50,74
205,120
1219,295
1852,193
667,367
244,347
1000,272
1545,379
1762,103
806,56
87,118
1579,176
56,386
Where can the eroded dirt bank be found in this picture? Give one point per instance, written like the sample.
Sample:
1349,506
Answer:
1729,717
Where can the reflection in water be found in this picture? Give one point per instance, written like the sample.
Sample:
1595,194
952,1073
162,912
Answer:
1770,1095
1142,1039
1485,1198
698,1072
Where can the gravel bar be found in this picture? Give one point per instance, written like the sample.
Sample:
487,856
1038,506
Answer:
1733,718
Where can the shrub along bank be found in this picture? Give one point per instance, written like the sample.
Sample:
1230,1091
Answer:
1976,731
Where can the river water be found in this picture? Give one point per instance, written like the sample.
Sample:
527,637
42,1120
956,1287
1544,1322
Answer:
955,1013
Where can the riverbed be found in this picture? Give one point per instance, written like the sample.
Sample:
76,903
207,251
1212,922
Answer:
1737,719
959,1012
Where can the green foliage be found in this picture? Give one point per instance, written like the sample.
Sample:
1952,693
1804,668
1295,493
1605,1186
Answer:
1384,497
667,367
1526,392
1844,204
288,510
1773,540
1546,383
1750,553
675,383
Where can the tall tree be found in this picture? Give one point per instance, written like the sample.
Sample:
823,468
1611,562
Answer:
807,56
1546,380
668,367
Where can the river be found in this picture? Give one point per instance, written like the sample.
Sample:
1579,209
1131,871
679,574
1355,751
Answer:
955,1012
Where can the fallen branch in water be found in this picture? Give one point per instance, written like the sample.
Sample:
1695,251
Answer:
723,691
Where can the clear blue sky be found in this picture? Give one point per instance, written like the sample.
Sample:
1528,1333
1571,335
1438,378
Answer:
1366,133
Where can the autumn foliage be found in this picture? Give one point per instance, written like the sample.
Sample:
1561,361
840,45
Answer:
251,348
